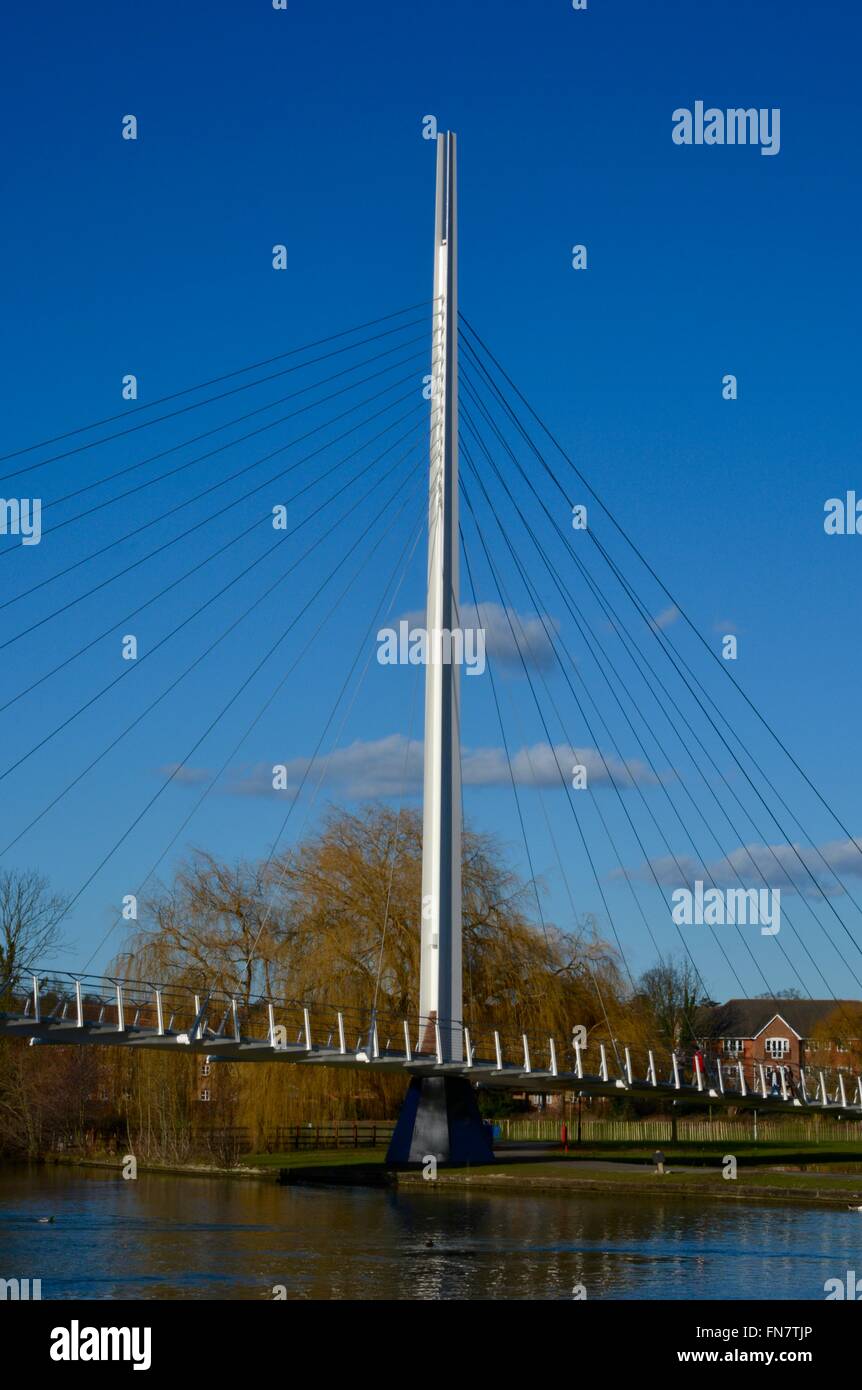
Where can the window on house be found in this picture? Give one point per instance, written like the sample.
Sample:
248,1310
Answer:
777,1047
205,1069
733,1047
841,1046
205,1095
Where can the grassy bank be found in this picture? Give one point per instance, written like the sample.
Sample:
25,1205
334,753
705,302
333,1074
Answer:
777,1173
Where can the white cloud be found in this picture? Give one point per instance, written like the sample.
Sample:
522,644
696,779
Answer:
380,767
186,776
508,633
778,864
666,618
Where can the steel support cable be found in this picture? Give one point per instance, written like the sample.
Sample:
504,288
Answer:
533,879
584,627
216,554
624,808
239,473
364,640
196,405
223,711
393,856
689,623
531,589
267,482
619,628
783,868
579,618
586,848
671,654
220,511
202,607
740,839
217,429
578,934
681,665
232,626
334,608
521,820
507,606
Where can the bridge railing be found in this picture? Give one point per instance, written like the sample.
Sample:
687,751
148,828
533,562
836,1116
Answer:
141,1009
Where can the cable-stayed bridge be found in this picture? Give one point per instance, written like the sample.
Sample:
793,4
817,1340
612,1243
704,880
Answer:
690,798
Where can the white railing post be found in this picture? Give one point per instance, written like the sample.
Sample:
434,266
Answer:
234,1009
720,1074
762,1073
803,1085
438,1041
270,1013
342,1041
651,1076
468,1047
37,1006
842,1090
375,1041
306,1023
698,1071
675,1061
859,1090
121,1019
784,1091
629,1066
527,1066
408,1050
604,1063
579,1062
824,1099
742,1087
79,1004
499,1051
552,1049
160,1014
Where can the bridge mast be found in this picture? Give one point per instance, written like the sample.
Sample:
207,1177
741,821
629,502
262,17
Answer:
440,998
440,1116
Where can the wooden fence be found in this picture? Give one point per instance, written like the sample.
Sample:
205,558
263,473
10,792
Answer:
344,1134
791,1131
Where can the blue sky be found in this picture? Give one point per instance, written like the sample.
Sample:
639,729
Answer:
304,127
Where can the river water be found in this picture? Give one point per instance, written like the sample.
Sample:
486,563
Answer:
183,1237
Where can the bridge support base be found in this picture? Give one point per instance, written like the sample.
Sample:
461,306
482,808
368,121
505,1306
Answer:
440,1119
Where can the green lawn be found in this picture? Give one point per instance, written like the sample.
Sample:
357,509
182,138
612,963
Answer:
834,1157
696,1177
757,1163
314,1158
841,1157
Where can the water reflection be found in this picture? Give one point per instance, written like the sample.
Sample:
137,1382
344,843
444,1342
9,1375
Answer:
164,1237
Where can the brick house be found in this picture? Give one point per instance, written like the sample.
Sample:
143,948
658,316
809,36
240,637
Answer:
786,1032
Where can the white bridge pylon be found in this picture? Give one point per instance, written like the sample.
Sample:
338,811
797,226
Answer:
440,990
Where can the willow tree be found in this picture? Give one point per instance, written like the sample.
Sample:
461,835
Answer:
334,923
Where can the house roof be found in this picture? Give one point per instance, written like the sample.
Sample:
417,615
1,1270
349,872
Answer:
746,1018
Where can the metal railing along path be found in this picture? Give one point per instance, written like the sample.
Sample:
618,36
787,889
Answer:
64,1008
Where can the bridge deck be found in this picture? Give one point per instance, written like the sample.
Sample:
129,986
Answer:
119,1008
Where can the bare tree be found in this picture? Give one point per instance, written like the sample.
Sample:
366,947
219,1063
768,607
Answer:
672,995
29,921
